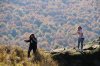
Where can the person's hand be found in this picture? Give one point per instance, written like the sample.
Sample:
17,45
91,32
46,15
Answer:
25,40
74,34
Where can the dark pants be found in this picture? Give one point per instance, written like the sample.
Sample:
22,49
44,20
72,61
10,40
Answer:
32,47
80,42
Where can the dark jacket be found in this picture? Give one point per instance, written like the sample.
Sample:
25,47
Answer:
32,41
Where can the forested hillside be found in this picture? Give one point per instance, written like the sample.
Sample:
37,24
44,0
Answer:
52,21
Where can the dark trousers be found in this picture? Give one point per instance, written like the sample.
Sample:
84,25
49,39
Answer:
80,42
32,47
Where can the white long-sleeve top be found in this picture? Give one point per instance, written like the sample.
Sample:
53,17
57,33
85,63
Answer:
80,34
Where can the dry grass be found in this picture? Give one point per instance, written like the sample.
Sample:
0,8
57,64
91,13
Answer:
15,56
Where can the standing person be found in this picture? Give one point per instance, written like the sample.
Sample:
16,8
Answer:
33,44
80,38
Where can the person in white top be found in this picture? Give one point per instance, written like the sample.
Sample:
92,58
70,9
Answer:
80,38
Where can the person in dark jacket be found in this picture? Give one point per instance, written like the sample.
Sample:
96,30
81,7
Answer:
33,44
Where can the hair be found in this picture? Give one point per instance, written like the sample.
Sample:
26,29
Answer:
79,27
32,35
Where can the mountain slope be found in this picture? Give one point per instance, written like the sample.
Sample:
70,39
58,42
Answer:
15,56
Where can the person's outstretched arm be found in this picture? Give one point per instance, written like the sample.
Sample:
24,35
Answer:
27,40
75,33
